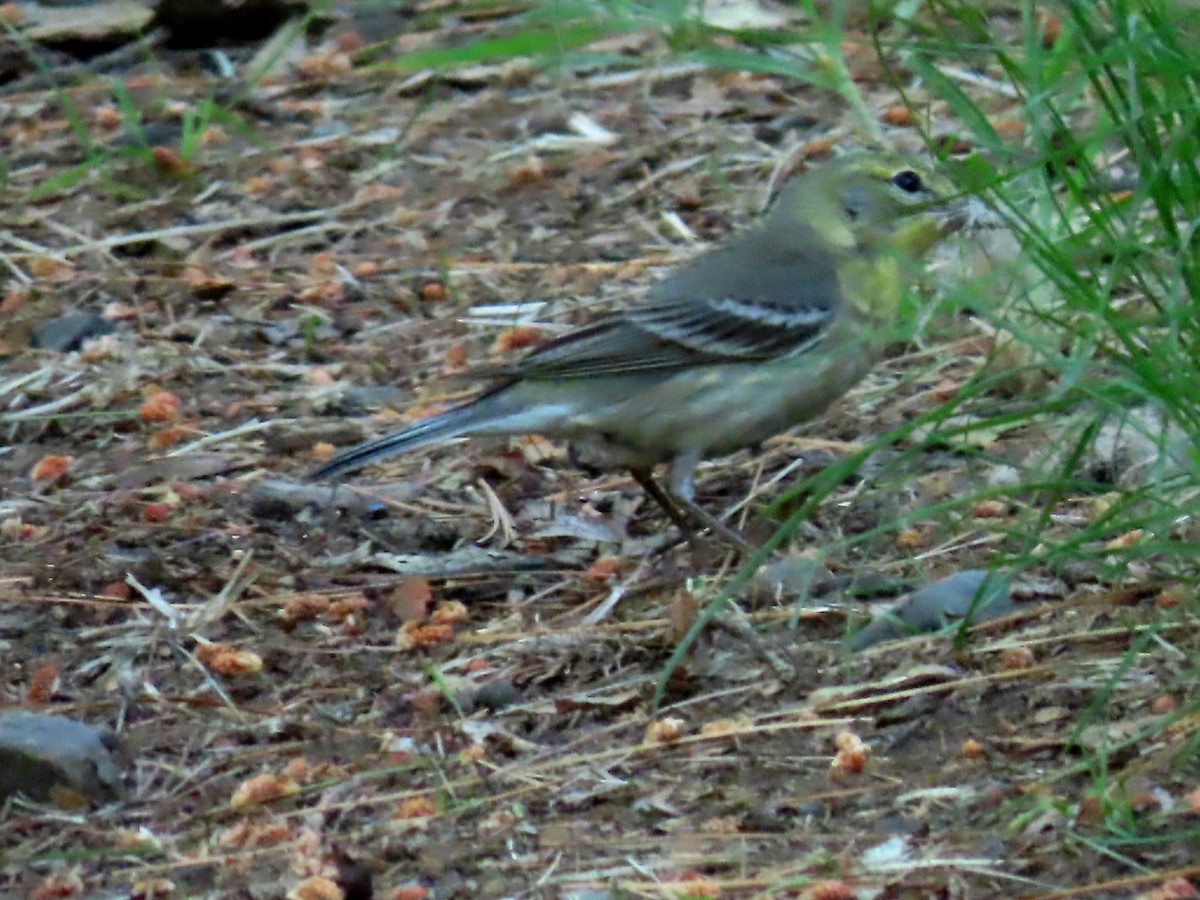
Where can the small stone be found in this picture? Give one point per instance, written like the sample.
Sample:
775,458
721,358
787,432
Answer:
66,333
60,760
497,694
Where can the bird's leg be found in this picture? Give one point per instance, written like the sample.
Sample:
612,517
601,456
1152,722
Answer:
646,480
734,621
715,525
686,513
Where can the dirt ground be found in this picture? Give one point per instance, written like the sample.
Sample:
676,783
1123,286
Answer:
441,677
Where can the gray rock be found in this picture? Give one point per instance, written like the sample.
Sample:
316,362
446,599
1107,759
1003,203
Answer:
58,760
497,694
971,596
66,333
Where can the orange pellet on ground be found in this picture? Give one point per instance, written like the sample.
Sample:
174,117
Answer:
518,337
159,406
896,115
1014,659
50,468
262,789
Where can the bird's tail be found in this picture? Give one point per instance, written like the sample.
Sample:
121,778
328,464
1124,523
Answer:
460,420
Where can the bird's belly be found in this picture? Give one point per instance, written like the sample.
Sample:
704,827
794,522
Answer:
718,409
640,420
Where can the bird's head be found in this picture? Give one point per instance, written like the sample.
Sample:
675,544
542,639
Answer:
868,202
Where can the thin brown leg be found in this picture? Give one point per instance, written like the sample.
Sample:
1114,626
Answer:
664,500
685,513
716,526
734,621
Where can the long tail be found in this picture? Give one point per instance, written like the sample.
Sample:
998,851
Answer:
457,421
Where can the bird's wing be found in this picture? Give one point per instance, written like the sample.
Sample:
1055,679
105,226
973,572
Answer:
714,310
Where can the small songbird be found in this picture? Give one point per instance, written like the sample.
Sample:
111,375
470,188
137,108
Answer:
741,343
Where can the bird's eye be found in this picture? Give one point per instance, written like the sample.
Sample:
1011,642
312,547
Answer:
908,181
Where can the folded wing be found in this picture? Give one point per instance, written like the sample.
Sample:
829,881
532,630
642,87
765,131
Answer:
712,311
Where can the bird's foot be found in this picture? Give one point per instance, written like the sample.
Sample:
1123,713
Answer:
687,513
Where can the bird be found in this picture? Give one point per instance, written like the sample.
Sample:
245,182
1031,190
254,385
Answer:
746,340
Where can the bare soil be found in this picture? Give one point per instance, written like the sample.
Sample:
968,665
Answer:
452,684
